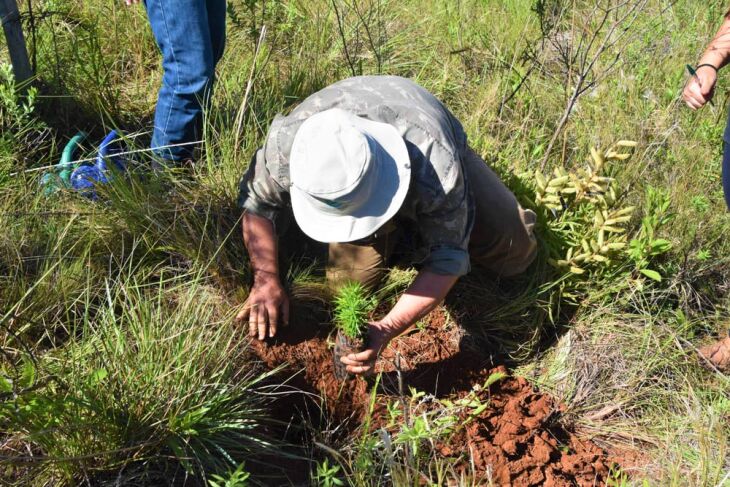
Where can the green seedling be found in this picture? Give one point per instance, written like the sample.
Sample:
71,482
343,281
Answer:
353,306
235,478
646,247
328,475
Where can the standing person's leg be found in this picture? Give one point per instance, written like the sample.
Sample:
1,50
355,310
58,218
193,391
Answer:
182,33
217,27
718,353
503,239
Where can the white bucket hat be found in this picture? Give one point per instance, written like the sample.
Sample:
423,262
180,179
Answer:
349,176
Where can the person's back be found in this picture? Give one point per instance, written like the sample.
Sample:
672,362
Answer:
424,123
351,162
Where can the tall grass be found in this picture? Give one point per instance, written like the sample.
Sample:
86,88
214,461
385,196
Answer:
154,385
109,309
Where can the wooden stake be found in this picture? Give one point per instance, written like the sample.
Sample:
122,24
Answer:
16,42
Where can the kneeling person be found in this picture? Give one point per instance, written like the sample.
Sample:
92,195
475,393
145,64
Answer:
357,161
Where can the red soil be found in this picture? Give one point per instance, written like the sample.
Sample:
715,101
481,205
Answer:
518,440
515,441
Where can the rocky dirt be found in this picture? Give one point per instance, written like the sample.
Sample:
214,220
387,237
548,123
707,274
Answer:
517,440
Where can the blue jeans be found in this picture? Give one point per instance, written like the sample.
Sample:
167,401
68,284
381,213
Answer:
191,36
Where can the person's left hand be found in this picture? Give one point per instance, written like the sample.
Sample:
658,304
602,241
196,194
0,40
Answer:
363,363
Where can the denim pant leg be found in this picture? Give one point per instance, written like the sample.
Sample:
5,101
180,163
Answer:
182,31
217,27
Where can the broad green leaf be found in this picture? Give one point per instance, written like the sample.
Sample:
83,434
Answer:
660,245
27,375
98,376
5,384
494,378
652,274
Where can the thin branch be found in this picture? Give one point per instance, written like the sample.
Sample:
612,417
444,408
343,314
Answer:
343,37
597,42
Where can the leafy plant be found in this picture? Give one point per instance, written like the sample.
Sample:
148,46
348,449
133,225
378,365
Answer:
21,133
647,246
236,478
327,475
585,213
353,306
404,450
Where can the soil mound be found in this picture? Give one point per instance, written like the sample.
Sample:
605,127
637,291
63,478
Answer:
517,440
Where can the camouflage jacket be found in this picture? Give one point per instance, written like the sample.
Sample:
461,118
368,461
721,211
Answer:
438,203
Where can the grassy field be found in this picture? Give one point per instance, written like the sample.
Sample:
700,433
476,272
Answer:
121,364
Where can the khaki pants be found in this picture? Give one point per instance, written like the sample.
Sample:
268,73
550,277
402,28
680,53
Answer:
502,240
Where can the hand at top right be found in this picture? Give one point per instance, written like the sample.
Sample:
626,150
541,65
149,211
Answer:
701,88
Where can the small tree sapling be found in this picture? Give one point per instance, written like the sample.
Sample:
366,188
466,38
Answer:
353,306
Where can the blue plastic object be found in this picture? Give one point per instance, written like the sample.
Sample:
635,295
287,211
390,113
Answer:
85,178
110,147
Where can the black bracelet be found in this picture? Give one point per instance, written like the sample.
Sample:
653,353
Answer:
709,66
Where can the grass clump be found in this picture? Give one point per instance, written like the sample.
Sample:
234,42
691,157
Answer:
353,306
22,135
154,388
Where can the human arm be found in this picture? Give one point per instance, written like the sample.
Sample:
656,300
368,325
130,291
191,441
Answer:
445,217
261,199
426,292
267,305
701,88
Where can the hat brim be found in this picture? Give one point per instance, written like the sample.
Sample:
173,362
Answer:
394,176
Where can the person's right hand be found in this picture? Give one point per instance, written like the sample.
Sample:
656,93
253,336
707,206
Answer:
701,88
266,308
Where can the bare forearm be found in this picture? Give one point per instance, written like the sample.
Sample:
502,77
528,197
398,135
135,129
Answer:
267,305
260,239
718,51
426,292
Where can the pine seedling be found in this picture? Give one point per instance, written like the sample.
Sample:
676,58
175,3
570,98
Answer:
353,306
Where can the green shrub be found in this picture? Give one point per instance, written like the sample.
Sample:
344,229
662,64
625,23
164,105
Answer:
587,221
22,135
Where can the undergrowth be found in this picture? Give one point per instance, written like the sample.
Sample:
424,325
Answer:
154,387
119,360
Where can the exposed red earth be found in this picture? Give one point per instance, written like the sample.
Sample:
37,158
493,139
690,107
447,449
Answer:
516,440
